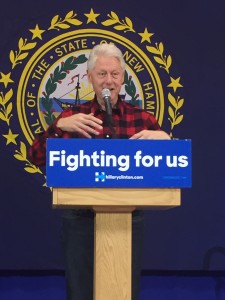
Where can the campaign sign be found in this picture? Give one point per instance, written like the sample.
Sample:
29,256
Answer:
118,163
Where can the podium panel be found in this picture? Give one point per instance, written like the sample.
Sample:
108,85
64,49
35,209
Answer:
112,267
106,199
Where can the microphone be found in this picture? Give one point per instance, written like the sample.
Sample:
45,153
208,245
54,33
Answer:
106,95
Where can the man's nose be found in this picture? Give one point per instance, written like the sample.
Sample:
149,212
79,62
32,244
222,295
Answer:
108,78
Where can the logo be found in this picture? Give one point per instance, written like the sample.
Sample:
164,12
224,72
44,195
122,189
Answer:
99,176
46,72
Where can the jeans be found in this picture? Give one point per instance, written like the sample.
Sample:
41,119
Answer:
78,249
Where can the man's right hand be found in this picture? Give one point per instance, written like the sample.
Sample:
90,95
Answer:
81,123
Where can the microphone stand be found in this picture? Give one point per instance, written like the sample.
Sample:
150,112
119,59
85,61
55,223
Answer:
110,123
77,98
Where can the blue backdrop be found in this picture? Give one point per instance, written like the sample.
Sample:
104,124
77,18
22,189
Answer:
190,237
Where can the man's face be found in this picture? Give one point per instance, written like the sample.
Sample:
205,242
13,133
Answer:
107,73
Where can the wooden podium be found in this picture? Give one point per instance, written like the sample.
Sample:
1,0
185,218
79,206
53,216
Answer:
113,230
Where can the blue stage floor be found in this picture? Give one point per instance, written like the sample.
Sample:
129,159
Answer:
153,287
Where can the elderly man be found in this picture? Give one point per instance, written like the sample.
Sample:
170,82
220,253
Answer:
106,68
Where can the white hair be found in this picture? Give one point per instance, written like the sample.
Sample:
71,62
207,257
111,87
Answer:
108,50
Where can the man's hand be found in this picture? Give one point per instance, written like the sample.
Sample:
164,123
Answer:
81,123
151,135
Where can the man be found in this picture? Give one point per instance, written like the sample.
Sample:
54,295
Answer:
106,68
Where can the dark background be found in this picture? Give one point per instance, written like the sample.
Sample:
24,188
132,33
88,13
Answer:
190,237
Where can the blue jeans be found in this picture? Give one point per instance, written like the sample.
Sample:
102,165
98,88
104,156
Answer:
78,248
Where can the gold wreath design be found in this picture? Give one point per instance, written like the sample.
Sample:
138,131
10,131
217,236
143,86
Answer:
16,57
21,155
123,25
6,108
165,62
59,23
175,116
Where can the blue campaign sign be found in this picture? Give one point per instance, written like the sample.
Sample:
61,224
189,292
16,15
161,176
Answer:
120,163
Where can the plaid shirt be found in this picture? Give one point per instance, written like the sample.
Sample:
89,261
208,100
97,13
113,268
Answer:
127,119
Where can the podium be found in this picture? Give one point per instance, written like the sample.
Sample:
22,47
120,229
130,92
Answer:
113,230
82,177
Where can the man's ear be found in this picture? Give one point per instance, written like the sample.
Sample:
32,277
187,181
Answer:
89,76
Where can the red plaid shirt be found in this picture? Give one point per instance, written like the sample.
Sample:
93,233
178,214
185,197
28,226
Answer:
127,119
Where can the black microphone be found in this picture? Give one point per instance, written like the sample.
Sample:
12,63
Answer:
106,95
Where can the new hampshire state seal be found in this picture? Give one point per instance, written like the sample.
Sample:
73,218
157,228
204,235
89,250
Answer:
47,73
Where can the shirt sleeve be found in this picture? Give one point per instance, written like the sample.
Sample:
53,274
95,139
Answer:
152,123
37,151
